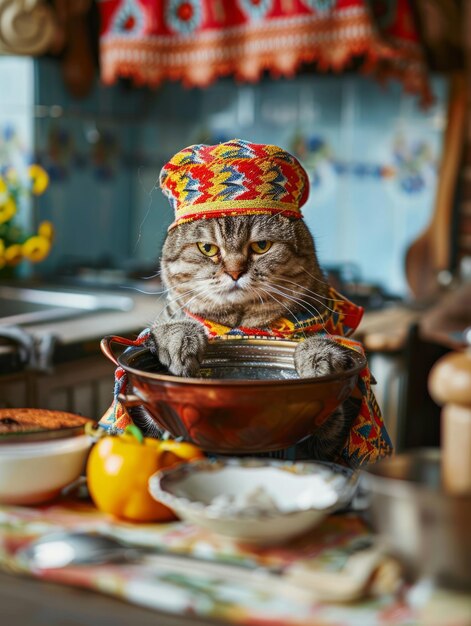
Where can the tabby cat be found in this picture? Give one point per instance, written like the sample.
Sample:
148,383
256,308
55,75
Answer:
247,271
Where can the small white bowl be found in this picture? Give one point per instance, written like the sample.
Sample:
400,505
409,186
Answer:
35,472
258,501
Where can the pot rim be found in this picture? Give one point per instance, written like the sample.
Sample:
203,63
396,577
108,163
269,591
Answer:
232,382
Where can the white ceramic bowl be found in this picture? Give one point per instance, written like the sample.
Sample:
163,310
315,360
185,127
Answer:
258,501
35,472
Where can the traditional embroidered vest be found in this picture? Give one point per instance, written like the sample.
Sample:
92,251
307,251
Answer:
368,439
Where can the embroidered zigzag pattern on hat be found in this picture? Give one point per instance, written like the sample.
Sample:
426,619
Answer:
234,178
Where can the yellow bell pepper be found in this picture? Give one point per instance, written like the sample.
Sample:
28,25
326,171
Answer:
118,470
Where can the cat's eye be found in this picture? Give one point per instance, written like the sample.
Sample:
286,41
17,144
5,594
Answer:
208,249
260,247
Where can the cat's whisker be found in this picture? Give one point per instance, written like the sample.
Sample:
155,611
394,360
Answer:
182,295
257,293
284,305
146,293
302,290
168,308
175,289
254,289
200,292
288,293
315,296
161,292
191,281
324,282
318,316
314,293
158,273
315,312
299,301
173,310
172,289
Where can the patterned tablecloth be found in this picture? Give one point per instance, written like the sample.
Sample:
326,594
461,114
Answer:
193,591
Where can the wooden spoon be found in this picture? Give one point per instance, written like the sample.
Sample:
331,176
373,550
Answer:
78,68
430,253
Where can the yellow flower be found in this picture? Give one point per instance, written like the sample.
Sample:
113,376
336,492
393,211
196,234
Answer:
13,254
3,191
2,254
7,210
11,175
46,229
36,248
40,179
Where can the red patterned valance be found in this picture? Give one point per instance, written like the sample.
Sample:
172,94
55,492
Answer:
196,41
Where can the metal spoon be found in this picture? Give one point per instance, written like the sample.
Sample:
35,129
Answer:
60,549
64,548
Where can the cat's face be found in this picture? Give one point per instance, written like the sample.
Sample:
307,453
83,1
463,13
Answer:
217,266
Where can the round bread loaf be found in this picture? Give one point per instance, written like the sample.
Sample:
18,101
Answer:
33,420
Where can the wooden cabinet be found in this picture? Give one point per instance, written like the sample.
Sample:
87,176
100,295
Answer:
83,386
17,390
82,379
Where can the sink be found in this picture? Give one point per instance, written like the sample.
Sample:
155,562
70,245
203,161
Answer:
27,305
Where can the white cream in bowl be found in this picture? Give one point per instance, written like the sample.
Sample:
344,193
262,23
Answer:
254,500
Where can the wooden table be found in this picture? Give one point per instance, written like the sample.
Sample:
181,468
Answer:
29,602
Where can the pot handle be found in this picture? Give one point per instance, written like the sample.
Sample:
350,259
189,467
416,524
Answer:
129,400
105,345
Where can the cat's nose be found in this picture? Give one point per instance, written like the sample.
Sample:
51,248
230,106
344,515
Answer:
235,274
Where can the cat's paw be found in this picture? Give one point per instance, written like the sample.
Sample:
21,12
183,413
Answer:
318,356
179,346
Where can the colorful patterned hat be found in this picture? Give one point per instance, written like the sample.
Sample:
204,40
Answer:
234,178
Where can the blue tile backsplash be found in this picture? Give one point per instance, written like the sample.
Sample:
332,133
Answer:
371,154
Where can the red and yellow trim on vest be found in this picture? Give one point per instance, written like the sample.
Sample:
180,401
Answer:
340,317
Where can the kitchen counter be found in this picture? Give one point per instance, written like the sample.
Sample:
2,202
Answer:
93,326
59,365
29,602
80,335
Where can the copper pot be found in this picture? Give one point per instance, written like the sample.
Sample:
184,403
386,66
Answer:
247,400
